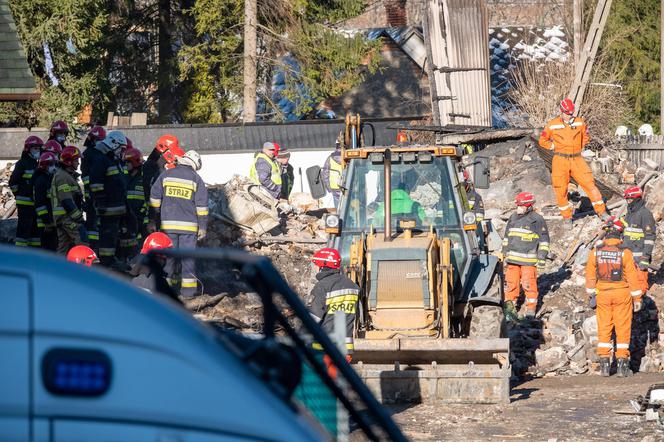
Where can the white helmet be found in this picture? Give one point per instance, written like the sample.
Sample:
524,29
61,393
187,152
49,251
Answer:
623,131
191,158
115,140
646,130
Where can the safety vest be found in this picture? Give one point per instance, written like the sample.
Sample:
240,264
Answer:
275,176
336,169
609,263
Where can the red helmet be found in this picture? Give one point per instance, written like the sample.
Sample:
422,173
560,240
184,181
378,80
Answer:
525,199
633,192
69,155
327,257
271,145
52,146
614,224
172,155
156,241
567,106
167,142
97,133
82,255
59,126
46,159
32,141
133,156
466,175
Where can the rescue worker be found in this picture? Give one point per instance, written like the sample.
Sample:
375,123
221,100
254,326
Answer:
48,164
475,201
612,278
525,248
82,255
333,291
162,157
133,227
332,171
67,202
108,188
59,132
567,136
179,197
266,171
287,173
21,185
149,278
640,233
95,135
403,206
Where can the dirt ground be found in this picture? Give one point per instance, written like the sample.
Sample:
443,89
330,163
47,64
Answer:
578,408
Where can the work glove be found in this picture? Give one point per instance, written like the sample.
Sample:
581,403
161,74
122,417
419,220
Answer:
201,235
541,263
637,306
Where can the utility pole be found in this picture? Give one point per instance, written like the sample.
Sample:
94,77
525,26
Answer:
249,108
577,10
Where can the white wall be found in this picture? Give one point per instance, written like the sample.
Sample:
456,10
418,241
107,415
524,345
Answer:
219,168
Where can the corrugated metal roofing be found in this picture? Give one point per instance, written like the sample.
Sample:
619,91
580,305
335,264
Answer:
297,135
458,31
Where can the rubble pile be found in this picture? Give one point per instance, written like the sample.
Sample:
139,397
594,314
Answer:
289,244
561,339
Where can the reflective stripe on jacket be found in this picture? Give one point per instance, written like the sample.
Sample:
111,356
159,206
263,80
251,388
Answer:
640,231
180,198
566,137
526,239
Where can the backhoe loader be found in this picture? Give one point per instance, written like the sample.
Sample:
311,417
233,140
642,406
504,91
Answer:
431,324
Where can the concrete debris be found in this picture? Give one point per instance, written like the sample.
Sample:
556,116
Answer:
7,202
551,359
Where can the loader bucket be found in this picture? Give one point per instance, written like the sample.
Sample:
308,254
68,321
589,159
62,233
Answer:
456,371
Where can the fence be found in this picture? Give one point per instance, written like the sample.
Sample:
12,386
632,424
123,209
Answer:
640,148
227,138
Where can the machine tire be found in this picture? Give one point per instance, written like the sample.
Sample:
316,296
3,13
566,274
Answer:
487,322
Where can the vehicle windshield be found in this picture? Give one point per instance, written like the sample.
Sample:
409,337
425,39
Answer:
421,192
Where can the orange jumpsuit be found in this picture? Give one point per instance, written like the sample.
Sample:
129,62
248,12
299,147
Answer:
567,139
611,274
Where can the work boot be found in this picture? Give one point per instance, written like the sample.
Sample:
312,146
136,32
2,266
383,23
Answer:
509,309
604,366
623,370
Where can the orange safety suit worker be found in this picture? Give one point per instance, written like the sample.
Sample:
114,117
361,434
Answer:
567,136
612,276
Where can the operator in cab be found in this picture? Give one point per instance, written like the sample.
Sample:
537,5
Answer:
403,207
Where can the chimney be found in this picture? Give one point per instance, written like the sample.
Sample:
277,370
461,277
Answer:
396,13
